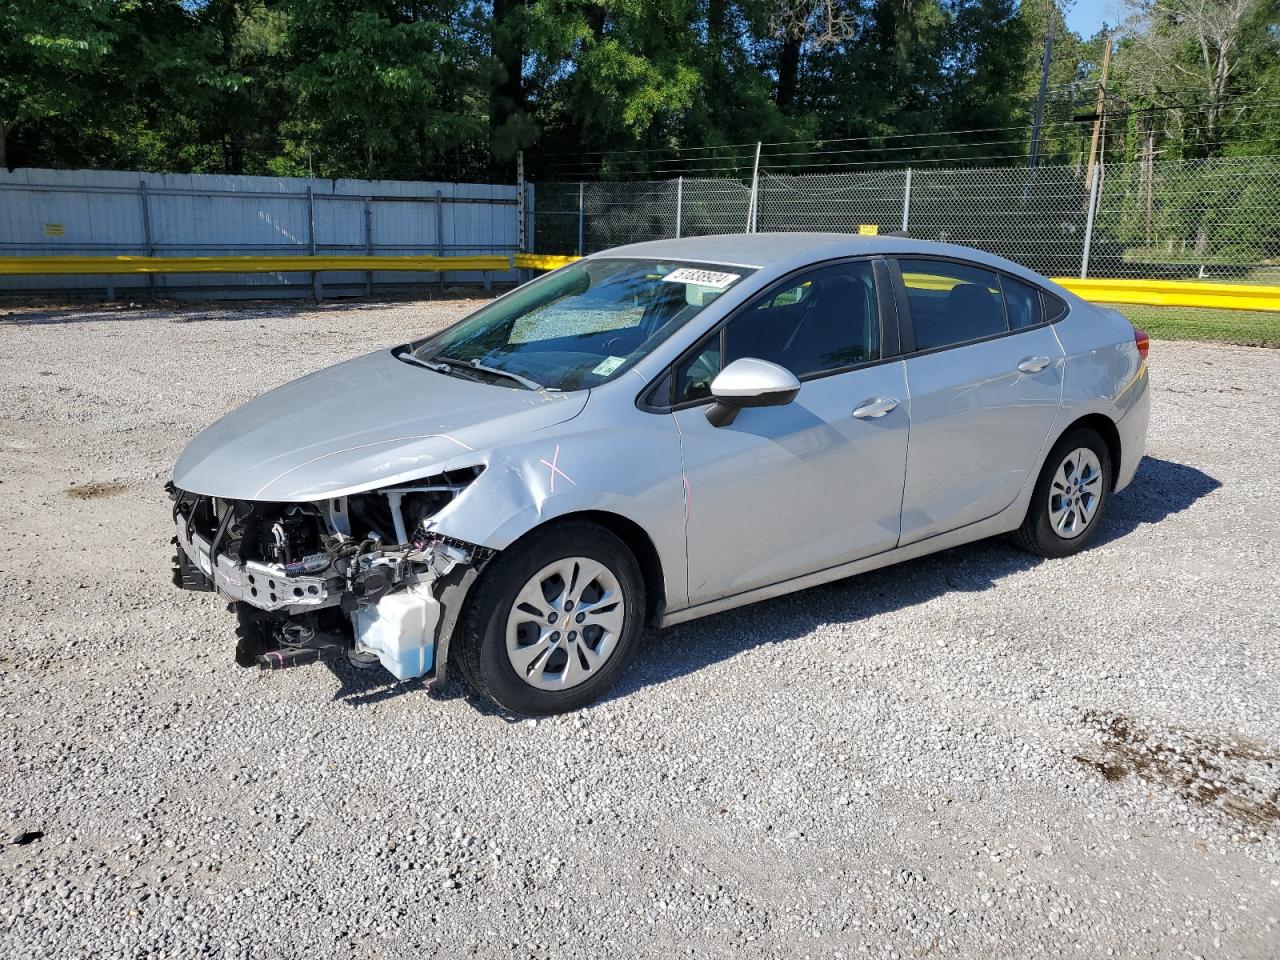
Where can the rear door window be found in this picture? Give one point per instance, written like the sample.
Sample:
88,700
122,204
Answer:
952,303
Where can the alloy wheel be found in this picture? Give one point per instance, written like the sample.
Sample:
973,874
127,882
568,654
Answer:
1075,492
565,623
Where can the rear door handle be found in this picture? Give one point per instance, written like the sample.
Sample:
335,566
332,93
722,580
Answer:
874,407
1033,364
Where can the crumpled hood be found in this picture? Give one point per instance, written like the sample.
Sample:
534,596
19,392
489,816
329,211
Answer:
358,425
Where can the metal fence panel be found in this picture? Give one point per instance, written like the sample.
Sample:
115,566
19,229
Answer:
714,206
589,217
1208,219
620,213
558,218
110,213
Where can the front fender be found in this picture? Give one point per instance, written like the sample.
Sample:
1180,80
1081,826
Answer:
630,468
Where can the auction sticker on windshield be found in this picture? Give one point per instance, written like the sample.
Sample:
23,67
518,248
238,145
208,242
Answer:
704,278
608,365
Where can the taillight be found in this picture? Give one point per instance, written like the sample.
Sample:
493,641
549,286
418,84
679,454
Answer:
1142,341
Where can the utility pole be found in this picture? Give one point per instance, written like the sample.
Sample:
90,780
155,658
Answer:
1044,87
1094,156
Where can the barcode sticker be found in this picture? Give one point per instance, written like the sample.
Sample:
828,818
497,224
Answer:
704,278
608,365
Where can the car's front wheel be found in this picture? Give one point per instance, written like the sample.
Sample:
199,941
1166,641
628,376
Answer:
1070,496
553,620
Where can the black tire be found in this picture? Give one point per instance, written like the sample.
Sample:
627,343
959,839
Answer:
1037,534
481,643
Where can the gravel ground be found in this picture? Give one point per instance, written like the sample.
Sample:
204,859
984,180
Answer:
974,754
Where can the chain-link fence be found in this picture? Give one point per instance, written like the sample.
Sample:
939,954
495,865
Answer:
1208,219
586,217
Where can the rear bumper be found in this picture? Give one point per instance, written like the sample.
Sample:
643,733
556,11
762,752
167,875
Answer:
1132,428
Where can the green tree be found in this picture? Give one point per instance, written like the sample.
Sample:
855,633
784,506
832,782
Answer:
511,128
1194,61
619,74
986,68
385,89
49,53
454,88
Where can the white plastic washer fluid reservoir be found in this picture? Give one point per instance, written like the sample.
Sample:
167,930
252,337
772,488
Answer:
401,630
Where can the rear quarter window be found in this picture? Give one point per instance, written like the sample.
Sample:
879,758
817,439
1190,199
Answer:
1022,301
1055,308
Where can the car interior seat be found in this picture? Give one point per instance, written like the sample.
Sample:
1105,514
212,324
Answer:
972,311
837,328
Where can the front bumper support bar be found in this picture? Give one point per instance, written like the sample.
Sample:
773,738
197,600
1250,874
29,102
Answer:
261,585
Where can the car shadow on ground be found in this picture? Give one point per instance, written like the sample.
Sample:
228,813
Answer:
367,687
1160,489
227,311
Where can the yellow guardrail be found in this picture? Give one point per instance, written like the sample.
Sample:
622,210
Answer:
299,264
1176,293
1156,293
285,264
542,261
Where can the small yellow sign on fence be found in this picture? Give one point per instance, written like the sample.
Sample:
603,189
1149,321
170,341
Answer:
54,230
868,230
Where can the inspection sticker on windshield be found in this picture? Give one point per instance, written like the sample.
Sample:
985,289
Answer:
608,365
704,278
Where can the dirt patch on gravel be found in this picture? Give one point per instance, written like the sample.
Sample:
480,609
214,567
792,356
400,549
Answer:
95,490
1232,775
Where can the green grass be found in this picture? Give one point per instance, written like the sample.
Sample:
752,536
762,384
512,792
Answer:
1254,328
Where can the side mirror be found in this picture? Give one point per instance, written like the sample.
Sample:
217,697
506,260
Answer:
749,383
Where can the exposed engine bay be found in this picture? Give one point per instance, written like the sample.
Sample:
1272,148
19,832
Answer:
361,575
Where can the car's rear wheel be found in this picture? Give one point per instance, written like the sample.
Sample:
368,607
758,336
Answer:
553,620
1070,496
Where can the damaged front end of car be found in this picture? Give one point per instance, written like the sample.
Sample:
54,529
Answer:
359,575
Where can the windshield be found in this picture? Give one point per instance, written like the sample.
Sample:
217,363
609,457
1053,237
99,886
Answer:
579,326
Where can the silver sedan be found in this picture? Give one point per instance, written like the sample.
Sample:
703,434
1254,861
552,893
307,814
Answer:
656,433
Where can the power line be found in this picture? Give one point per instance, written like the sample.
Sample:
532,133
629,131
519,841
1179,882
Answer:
799,156
814,169
938,140
1062,136
817,167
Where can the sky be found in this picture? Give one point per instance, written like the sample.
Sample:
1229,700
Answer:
1085,17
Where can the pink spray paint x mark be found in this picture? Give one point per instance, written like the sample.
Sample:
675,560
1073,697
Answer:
554,465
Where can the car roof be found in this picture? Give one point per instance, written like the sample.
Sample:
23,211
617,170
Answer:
759,250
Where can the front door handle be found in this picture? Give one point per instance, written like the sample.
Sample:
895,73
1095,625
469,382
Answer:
874,407
1033,364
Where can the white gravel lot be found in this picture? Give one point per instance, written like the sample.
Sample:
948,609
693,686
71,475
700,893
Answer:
971,755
